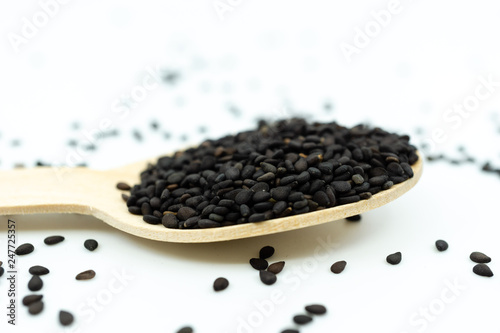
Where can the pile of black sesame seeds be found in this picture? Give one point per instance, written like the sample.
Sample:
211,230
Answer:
286,168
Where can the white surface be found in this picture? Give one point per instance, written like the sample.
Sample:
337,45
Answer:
276,59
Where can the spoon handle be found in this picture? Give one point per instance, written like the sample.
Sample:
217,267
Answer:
48,190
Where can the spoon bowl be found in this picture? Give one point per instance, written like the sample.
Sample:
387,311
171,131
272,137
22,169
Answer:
82,190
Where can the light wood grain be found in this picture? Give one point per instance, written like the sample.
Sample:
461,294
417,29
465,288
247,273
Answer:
92,192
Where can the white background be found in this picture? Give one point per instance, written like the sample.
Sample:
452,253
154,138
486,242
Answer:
270,60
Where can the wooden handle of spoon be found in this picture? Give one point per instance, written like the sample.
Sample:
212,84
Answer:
51,190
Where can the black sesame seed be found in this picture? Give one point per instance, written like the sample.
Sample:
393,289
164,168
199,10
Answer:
303,177
341,186
38,270
314,159
315,172
479,258
185,329
316,185
243,196
302,319
349,193
123,186
232,173
338,267
226,203
244,210
170,221
279,207
267,167
378,180
220,284
331,196
185,212
349,199
387,185
23,249
394,258
195,201
276,267
2,270
407,169
326,167
342,169
247,171
259,263
261,196
287,180
267,277
65,318
280,193
362,188
441,245
301,165
35,308
257,217
35,283
267,177
302,210
86,275
208,210
316,309
395,169
354,218
165,194
358,179
397,180
191,222
266,252
90,244
300,204
482,270
151,219
155,203
365,195
175,208
216,217
146,209
52,240
30,299
206,223
296,196
200,206
132,201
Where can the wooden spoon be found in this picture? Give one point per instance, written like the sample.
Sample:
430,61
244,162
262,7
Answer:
91,192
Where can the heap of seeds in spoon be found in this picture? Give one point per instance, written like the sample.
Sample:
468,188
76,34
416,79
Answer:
286,168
